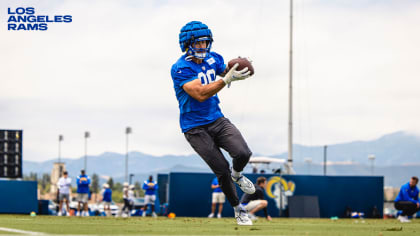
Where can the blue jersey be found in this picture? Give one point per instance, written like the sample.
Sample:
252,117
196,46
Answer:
150,189
216,182
83,182
408,194
107,195
193,112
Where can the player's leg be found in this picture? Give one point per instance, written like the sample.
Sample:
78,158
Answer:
407,209
261,205
85,203
130,207
146,204
78,198
213,208
221,201
153,197
219,215
66,198
107,206
252,207
60,207
213,204
67,205
207,149
229,138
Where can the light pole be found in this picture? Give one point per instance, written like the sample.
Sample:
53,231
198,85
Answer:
325,159
290,122
128,131
308,160
131,176
87,135
60,138
371,158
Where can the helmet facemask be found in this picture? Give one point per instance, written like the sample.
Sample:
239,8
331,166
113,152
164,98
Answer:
199,53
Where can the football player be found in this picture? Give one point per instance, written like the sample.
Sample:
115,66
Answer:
150,187
204,126
83,189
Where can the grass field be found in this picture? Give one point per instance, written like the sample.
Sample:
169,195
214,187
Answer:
203,226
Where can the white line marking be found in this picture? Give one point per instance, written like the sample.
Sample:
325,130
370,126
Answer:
20,231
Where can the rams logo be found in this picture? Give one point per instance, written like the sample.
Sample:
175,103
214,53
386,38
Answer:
83,180
278,188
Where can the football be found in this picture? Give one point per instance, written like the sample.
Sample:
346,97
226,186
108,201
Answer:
243,62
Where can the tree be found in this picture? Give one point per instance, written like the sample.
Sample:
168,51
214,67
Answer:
32,176
140,191
46,180
118,187
111,183
95,183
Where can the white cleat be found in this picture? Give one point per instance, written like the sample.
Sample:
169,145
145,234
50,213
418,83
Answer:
242,216
252,217
144,214
219,216
211,215
59,213
154,215
404,219
245,184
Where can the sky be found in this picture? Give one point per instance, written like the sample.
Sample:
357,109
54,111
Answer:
356,67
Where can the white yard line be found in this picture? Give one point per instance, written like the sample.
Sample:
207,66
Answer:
20,231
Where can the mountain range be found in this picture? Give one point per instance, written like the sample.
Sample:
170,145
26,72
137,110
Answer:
397,159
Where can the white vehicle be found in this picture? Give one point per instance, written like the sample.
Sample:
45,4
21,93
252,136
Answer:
100,208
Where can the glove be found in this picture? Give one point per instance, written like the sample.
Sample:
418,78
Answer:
234,75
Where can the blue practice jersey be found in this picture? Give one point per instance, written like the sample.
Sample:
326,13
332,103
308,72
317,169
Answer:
107,195
408,194
83,182
193,112
216,182
150,189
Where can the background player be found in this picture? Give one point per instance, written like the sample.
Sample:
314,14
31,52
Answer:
408,200
64,186
126,210
256,202
216,197
83,182
106,198
201,120
150,187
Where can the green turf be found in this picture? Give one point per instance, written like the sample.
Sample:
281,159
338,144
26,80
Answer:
205,226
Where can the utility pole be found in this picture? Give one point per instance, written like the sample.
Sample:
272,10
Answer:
372,158
60,139
325,160
290,125
128,131
87,135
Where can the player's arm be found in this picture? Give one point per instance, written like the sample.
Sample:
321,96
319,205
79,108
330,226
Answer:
201,92
213,186
407,197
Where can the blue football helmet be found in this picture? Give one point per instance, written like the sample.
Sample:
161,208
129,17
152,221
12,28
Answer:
192,33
